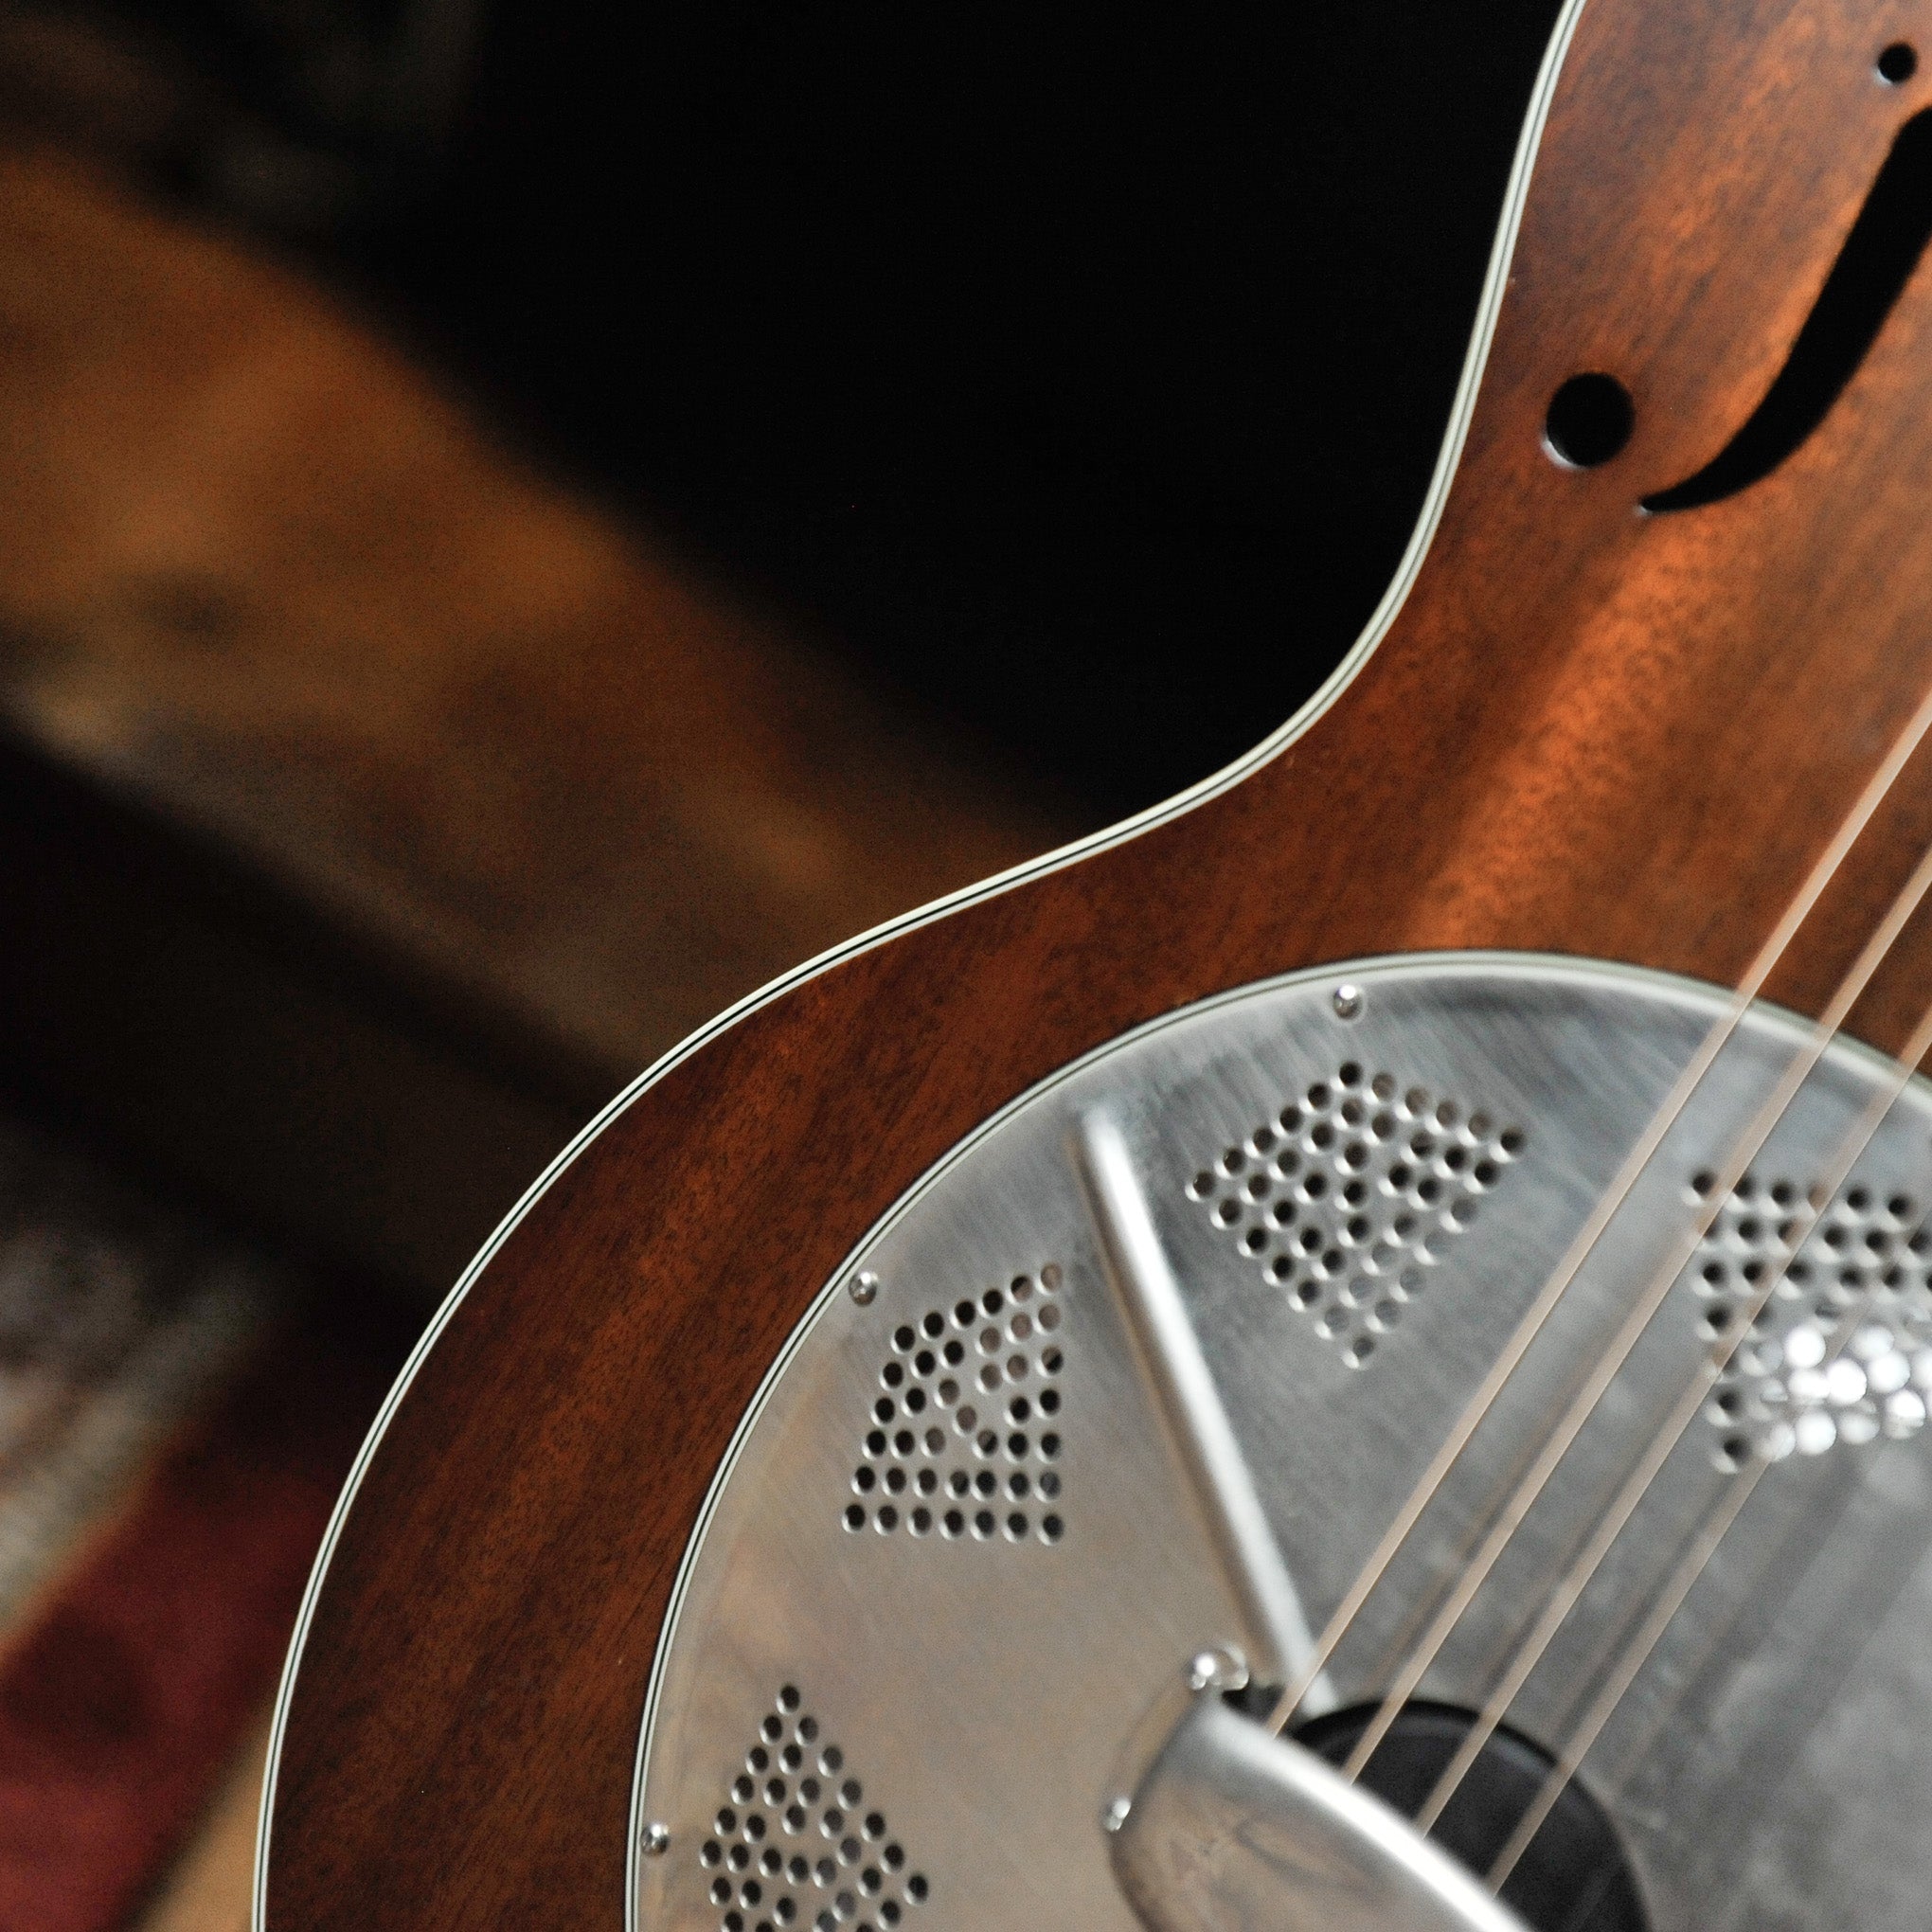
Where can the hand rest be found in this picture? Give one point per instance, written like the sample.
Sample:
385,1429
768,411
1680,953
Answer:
1232,1828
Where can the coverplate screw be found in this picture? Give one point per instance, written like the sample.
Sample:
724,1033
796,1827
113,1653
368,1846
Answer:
1217,1669
1116,1814
1347,1000
656,1839
863,1287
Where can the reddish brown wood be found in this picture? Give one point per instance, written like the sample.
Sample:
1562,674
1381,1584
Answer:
1588,732
258,571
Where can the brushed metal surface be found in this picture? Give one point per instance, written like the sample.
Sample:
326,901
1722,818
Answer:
1184,1390
991,1687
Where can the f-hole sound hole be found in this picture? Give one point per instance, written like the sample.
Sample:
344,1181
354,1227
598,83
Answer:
1897,63
1872,270
1573,1878
1589,420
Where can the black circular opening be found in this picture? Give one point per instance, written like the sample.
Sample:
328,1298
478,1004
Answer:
1574,1876
1898,62
1590,420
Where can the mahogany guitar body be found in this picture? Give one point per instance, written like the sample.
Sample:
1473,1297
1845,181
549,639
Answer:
1574,728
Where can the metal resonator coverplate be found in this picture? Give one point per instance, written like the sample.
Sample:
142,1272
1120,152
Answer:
947,1569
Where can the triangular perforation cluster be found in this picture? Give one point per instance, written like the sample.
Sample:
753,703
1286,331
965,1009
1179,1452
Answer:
1842,1349
1350,1191
963,1439
799,1842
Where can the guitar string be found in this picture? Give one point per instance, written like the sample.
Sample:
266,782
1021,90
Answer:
1605,1370
1746,1593
1643,1475
1446,1457
1670,1601
1620,1677
1624,1674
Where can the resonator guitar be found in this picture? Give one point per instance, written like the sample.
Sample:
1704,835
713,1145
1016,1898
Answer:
1352,1353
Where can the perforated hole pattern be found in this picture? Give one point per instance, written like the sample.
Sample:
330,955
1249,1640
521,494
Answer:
795,1842
965,1432
1350,1193
1866,1259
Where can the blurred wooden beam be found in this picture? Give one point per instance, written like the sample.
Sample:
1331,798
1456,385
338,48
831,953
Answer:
384,695
256,570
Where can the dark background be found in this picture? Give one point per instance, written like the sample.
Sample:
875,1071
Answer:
1077,384
1080,378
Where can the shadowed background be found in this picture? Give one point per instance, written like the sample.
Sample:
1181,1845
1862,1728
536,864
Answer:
516,525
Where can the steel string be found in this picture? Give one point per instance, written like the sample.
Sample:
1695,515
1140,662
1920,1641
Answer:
1604,1373
1393,1540
1610,1526
1668,1602
1624,1672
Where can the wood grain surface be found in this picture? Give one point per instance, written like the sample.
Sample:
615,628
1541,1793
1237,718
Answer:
1588,731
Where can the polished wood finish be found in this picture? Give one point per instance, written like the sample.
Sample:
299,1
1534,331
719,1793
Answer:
1588,731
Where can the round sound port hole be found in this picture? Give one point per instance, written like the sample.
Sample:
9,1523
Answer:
1589,422
1573,1878
1897,63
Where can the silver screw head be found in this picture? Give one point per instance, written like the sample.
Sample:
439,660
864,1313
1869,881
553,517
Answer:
863,1289
1347,1000
656,1840
1217,1669
1116,1814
